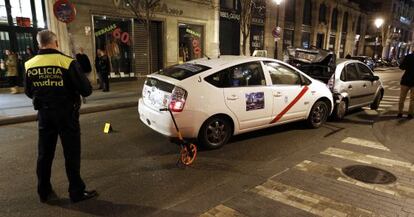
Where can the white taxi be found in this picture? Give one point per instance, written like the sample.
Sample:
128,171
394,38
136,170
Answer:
213,99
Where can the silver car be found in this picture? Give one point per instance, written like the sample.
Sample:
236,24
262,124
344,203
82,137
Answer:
352,82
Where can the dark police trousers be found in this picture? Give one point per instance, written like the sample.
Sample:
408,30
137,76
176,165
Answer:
62,121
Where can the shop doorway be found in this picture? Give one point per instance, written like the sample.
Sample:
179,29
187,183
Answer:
140,47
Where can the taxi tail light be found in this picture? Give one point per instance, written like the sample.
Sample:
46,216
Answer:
331,83
178,97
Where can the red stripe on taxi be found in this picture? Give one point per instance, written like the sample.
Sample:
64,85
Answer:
291,104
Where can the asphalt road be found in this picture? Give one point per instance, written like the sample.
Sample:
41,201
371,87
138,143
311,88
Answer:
134,170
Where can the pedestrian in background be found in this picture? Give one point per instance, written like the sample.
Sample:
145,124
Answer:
56,96
11,71
407,85
28,55
85,65
102,66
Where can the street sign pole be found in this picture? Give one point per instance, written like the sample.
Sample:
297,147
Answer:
277,26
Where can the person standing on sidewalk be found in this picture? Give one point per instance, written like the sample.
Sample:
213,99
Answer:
85,64
11,71
102,66
55,82
407,85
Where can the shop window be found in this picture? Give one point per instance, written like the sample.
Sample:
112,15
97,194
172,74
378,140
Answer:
322,13
21,11
229,37
334,24
307,12
342,45
319,40
306,39
113,35
287,38
256,38
40,14
345,23
190,41
358,30
229,4
3,13
332,39
290,11
4,45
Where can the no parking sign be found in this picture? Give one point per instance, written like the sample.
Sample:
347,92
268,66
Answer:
276,32
64,11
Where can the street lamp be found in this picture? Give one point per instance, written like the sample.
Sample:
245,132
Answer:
378,23
278,2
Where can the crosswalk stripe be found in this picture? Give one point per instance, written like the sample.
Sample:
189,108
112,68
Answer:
367,159
390,97
396,189
369,109
222,211
385,106
307,201
365,143
387,102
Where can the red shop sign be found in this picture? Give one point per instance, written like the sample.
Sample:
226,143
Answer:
64,11
23,21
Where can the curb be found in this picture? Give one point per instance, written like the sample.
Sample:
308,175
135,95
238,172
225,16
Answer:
87,110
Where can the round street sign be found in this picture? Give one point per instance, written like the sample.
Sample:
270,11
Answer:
276,32
64,11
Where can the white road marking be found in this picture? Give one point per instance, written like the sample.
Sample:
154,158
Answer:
367,159
307,201
222,211
365,143
395,189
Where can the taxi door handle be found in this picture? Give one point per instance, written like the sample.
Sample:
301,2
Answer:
350,86
365,85
278,94
232,98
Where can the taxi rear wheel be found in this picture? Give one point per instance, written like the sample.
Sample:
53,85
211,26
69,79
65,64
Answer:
215,132
318,114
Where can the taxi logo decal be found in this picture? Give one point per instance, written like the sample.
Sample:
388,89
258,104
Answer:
291,104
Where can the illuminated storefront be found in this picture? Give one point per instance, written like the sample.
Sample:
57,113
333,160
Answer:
179,31
20,20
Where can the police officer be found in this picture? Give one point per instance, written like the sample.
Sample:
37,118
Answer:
55,82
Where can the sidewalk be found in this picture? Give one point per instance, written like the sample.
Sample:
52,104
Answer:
17,108
382,69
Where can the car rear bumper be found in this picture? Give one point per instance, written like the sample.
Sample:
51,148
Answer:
161,121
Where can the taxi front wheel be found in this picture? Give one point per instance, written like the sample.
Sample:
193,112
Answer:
318,114
215,132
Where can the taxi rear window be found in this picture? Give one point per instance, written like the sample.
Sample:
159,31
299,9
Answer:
182,71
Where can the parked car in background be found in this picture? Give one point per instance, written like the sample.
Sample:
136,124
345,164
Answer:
213,99
367,60
352,82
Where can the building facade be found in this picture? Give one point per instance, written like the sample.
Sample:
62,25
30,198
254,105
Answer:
394,39
327,24
181,30
337,25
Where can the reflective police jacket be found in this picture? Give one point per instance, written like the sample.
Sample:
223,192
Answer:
53,79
